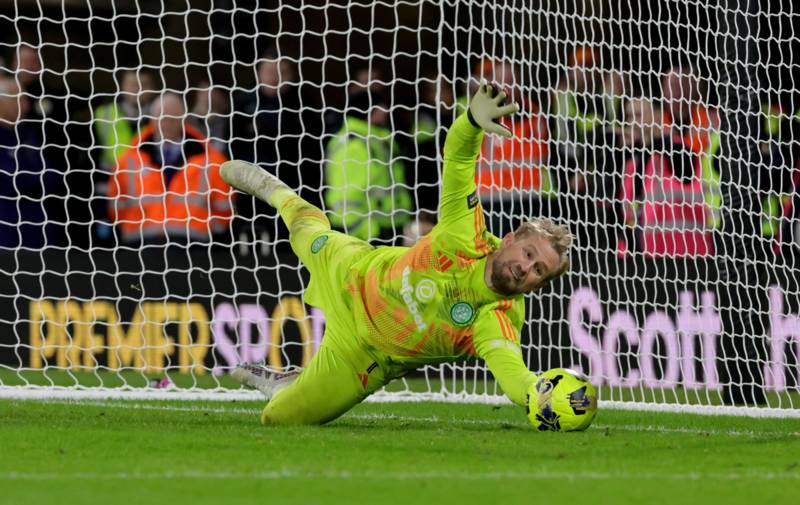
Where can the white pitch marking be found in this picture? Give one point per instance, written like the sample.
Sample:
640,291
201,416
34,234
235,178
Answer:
389,475
429,419
146,406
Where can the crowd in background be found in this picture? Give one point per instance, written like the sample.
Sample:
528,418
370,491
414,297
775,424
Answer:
630,161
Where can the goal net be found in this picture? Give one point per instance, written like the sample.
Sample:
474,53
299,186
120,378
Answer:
664,136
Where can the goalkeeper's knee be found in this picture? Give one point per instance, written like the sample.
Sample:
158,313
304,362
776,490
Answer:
290,412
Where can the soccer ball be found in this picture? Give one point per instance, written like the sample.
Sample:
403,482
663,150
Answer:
561,400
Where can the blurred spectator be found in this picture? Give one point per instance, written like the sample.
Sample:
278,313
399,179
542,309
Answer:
584,107
691,160
590,194
366,192
271,129
788,242
167,187
584,155
437,108
576,109
642,130
686,111
48,110
210,114
27,66
616,86
25,181
117,122
664,191
779,154
691,119
368,80
511,175
774,175
267,125
436,112
48,114
640,135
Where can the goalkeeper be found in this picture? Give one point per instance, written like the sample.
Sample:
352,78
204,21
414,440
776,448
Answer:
457,293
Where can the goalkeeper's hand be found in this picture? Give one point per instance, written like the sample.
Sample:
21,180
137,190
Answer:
486,106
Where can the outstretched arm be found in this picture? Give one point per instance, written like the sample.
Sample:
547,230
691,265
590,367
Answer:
461,150
462,146
497,342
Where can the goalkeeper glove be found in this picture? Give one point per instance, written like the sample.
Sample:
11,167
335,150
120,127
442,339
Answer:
486,106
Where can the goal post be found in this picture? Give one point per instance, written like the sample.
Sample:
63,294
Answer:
664,137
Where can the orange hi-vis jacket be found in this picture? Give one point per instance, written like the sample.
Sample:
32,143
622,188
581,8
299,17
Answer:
517,163
195,204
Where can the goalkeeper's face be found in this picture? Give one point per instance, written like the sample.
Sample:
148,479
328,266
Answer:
524,264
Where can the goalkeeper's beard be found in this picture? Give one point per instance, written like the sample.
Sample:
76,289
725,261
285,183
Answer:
502,281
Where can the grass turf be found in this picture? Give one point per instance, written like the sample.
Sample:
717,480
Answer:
216,452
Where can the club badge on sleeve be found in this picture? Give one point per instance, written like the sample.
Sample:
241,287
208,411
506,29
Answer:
318,242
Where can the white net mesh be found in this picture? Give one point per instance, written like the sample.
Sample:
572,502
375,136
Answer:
663,135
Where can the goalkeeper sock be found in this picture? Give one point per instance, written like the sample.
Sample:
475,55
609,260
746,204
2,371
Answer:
252,180
294,211
280,195
299,215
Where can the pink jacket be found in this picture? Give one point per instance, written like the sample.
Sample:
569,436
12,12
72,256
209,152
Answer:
668,215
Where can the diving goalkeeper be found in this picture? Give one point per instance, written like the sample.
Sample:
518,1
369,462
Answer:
457,293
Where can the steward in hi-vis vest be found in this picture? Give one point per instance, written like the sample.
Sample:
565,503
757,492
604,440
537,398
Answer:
169,191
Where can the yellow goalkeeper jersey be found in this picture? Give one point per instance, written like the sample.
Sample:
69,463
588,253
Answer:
430,303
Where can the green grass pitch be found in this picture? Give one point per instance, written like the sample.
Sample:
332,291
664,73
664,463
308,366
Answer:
101,452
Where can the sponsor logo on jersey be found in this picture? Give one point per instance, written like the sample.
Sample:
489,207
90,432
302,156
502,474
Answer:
461,313
426,290
407,292
318,242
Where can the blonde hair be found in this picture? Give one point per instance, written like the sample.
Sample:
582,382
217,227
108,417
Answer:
557,234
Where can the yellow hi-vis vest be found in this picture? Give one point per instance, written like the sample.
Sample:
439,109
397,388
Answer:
365,186
115,133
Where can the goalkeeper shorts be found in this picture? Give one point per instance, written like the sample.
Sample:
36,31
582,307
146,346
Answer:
340,375
329,255
344,370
